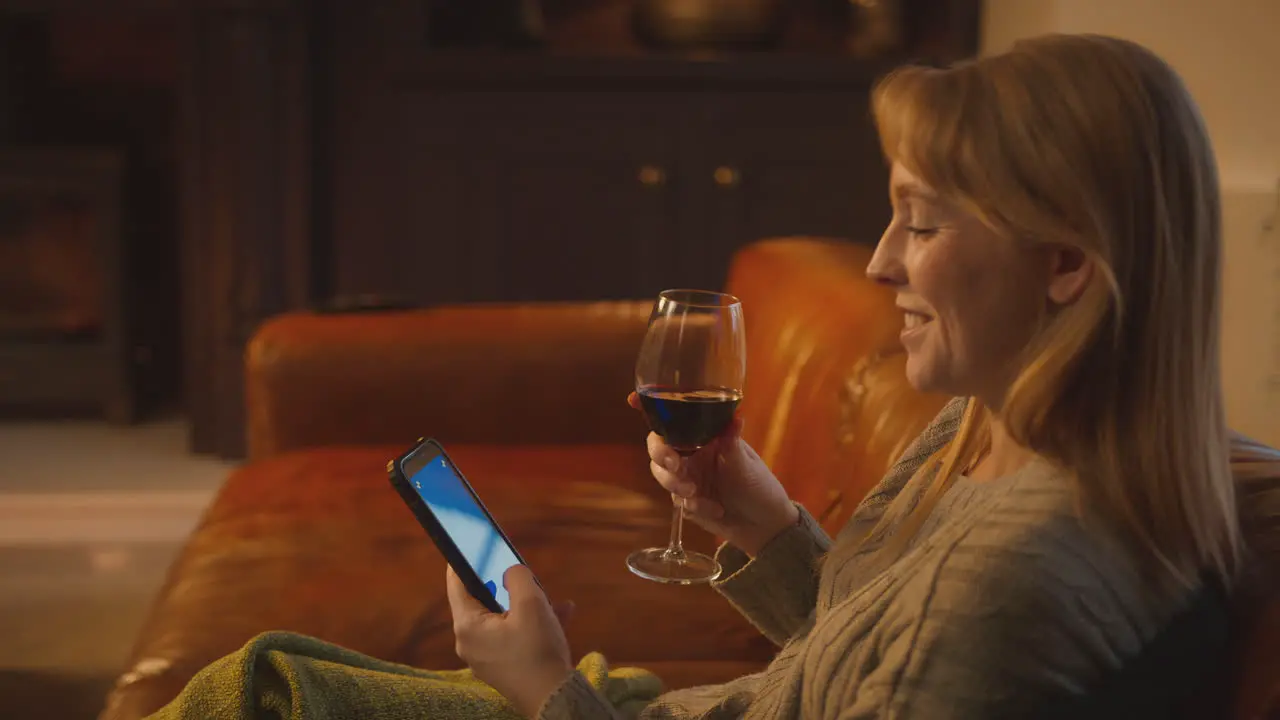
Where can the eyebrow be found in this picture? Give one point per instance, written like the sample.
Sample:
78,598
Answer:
903,191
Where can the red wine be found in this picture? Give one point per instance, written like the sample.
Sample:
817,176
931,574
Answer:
688,419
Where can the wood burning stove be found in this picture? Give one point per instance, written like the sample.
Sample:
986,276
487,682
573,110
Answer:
64,339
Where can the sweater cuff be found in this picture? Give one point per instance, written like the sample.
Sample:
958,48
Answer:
777,590
575,699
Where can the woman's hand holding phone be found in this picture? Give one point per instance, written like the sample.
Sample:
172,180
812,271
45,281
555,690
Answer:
521,653
727,489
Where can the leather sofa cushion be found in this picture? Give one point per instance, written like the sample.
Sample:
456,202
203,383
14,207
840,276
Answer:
290,535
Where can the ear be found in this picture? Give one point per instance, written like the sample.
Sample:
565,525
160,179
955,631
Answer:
1070,271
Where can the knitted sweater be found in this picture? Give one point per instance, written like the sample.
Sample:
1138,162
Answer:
1007,601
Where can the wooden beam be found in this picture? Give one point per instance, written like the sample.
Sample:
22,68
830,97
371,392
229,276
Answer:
245,128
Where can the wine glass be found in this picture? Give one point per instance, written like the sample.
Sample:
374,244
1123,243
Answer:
689,377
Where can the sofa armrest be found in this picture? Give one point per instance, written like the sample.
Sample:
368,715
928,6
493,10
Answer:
505,374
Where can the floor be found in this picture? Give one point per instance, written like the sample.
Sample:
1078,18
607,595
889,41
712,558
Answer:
90,517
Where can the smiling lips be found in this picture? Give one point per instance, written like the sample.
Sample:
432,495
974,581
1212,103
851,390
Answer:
912,320
913,323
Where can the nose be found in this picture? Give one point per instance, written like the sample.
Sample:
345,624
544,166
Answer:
886,266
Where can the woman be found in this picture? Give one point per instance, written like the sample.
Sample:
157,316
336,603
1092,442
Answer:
1055,249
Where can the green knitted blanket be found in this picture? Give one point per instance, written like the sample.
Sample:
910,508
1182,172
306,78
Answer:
286,675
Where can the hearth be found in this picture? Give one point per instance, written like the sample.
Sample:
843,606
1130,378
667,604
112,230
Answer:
63,334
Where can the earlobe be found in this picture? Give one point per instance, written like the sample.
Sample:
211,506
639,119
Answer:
1070,272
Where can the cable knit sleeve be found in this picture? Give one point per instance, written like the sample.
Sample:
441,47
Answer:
777,590
575,699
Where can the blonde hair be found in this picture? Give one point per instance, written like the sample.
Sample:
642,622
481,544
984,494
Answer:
1093,142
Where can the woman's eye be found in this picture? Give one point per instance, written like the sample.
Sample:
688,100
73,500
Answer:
922,231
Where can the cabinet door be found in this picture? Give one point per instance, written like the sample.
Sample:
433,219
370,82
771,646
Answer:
787,163
589,199
518,195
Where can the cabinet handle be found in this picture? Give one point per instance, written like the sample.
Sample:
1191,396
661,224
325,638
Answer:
727,176
652,176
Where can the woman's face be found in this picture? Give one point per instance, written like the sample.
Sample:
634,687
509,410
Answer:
971,298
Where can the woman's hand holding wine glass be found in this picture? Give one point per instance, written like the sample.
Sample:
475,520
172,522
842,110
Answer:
690,376
726,488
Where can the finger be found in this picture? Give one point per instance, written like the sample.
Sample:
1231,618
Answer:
731,447
703,462
564,612
731,432
671,482
735,427
661,453
747,451
466,609
523,587
633,399
704,508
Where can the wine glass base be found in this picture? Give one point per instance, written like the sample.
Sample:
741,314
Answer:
660,565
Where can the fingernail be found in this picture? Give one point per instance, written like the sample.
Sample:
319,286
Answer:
672,464
686,489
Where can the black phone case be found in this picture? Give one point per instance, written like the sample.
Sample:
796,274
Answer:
437,532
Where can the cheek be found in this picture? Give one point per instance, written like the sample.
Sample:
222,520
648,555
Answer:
984,304
941,280
991,319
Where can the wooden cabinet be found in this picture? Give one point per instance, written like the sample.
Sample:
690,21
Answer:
513,196
786,163
540,191
328,151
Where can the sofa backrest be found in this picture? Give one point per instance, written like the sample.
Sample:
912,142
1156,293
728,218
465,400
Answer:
826,404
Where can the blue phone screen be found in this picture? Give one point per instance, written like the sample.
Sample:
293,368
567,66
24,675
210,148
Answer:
477,539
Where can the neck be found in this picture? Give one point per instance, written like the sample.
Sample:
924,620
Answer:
1005,455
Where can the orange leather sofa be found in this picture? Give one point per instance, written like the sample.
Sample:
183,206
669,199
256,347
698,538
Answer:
531,402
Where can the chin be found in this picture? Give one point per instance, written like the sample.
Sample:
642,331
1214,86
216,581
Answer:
925,377
918,375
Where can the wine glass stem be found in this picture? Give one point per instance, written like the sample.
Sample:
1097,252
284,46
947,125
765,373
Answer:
675,549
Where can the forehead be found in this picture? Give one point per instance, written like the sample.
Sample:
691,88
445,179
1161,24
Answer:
903,184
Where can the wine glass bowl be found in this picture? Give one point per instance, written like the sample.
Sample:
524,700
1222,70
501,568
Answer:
690,374
688,419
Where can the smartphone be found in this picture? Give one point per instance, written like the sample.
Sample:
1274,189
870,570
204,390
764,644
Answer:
450,511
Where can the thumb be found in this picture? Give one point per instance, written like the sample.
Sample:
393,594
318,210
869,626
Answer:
523,586
732,450
735,427
729,439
